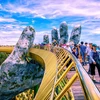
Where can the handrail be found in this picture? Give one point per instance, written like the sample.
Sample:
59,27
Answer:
90,90
50,62
6,49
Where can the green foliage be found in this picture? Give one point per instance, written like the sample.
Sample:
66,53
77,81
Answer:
3,56
31,29
11,74
26,95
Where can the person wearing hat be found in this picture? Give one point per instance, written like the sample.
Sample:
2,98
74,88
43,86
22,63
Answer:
94,62
67,47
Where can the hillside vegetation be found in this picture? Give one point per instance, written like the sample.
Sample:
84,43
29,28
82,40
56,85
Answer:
3,56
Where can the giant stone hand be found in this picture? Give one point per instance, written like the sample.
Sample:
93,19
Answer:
75,34
16,74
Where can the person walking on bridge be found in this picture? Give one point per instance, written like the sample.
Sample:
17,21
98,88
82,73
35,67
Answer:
95,61
88,51
67,47
82,51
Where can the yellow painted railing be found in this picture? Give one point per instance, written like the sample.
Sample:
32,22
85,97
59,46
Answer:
55,84
65,58
50,63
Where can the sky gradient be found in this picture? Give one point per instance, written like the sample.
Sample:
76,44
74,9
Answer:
43,15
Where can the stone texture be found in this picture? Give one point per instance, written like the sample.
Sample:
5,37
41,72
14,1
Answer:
45,39
54,35
63,33
75,34
16,74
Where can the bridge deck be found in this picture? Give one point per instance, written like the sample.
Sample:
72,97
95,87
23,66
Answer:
76,87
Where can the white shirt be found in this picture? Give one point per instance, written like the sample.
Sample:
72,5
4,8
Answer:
69,49
88,50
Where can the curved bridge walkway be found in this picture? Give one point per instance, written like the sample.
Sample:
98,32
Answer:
60,82
81,86
77,85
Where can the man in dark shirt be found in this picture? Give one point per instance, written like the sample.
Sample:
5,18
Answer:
82,51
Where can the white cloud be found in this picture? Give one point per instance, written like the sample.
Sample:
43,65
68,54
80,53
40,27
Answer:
39,36
53,9
49,9
10,33
96,31
7,40
7,19
0,6
33,21
9,37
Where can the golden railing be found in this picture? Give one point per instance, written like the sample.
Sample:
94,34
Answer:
55,84
90,90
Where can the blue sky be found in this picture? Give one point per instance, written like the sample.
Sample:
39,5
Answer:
43,15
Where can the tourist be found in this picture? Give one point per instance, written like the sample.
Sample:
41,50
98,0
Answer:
86,45
88,51
82,51
79,53
94,61
54,43
63,46
72,45
75,52
68,47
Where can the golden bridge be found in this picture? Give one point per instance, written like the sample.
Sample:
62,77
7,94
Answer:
59,81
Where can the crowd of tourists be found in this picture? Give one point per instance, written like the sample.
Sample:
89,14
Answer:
86,53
